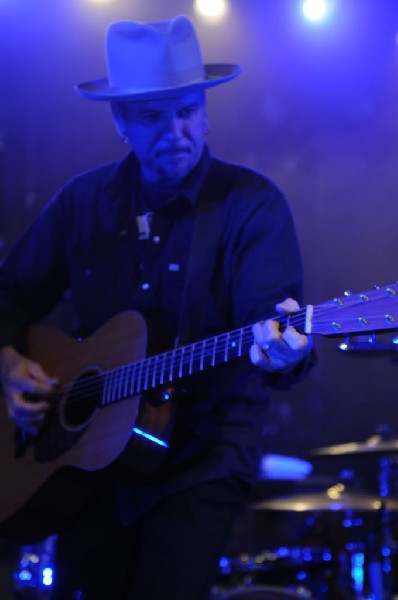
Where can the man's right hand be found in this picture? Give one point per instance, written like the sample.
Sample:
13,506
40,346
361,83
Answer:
21,377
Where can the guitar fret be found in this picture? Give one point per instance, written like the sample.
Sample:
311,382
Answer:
163,358
240,342
129,381
176,362
154,371
191,358
139,376
235,343
147,364
132,379
213,357
120,384
180,368
202,350
226,348
171,365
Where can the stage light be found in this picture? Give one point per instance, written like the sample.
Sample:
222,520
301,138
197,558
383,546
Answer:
315,10
150,437
47,577
101,1
213,9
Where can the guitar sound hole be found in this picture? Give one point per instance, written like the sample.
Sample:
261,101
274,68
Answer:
82,401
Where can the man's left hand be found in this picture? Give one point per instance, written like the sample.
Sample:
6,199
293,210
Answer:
279,350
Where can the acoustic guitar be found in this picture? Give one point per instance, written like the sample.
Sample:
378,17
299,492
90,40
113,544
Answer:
96,423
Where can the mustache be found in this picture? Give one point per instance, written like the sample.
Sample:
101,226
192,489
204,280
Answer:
170,150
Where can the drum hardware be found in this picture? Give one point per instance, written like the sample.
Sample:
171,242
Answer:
365,563
303,571
356,565
33,576
378,547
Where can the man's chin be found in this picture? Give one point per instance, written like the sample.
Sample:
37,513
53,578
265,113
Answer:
174,172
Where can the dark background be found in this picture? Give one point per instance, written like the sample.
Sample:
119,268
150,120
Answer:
315,109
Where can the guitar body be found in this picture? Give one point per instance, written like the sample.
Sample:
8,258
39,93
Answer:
47,480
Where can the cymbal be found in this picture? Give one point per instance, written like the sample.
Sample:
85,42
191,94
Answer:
335,498
373,445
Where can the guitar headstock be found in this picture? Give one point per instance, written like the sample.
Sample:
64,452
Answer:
364,312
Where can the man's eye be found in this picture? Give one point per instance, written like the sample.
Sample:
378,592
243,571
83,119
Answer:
187,112
152,117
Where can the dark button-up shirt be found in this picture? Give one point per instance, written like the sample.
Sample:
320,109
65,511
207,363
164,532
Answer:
116,244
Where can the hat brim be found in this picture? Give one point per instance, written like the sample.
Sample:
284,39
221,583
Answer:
215,74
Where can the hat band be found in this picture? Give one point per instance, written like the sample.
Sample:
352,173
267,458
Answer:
163,79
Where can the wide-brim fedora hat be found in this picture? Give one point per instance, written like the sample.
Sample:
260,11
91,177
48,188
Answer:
154,60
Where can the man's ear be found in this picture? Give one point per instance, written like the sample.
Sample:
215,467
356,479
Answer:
119,120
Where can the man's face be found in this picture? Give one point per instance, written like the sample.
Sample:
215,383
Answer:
166,135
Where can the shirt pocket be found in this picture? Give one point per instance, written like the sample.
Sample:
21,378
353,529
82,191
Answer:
102,279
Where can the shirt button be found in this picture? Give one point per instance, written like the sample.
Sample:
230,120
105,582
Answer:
145,286
156,239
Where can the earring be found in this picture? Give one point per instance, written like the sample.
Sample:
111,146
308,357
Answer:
125,139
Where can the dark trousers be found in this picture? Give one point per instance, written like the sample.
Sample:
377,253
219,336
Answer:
171,553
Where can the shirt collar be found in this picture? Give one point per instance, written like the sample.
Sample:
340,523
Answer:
127,171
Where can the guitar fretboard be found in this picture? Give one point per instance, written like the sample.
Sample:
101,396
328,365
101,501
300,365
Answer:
162,369
375,310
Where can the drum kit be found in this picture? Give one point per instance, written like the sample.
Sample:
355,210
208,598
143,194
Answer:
355,551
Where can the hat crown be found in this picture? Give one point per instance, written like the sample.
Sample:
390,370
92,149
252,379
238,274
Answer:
154,60
145,56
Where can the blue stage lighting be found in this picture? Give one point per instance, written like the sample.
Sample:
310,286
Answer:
47,576
150,437
357,570
315,10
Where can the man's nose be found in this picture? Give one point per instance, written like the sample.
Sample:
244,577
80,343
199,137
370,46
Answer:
173,126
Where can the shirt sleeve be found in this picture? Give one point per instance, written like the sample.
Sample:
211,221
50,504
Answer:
32,276
266,262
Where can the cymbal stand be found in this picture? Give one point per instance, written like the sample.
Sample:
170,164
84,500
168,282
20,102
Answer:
380,552
388,476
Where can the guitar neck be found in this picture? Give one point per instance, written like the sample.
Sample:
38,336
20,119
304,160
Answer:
183,361
364,313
